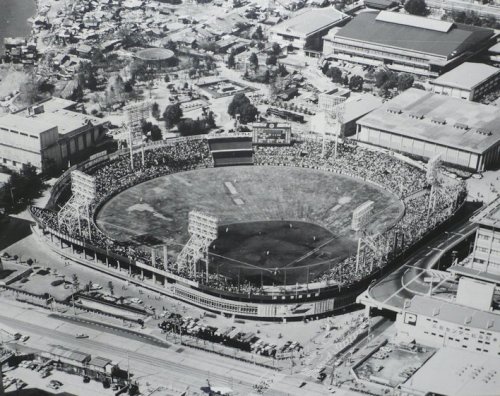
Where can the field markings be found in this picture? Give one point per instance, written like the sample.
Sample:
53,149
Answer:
231,188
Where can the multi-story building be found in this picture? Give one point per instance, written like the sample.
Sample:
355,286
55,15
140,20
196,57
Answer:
470,81
24,141
50,131
424,124
484,263
438,323
405,43
304,32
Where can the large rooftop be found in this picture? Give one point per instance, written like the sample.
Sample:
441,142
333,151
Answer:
454,313
403,31
467,75
439,119
67,121
23,124
310,21
453,371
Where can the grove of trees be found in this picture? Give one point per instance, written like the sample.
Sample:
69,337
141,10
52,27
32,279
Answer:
241,105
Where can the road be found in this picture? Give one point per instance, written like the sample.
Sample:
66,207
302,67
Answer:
175,367
407,281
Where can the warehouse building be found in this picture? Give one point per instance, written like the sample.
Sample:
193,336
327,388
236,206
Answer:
304,32
405,43
423,124
470,81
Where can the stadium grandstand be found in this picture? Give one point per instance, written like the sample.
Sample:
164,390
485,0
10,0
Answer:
237,287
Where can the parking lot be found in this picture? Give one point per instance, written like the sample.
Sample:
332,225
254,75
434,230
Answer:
72,384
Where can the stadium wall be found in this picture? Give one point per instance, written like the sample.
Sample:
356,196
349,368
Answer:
317,299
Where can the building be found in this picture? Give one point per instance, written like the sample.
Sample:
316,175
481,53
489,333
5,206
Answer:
470,81
305,31
405,43
467,6
423,124
484,263
467,373
50,131
354,109
26,141
439,323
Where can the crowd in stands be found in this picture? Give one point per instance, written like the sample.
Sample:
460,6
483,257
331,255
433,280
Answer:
402,179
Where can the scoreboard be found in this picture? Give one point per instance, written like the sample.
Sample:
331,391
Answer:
272,133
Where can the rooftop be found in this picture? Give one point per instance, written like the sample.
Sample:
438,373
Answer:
99,362
49,105
454,313
467,75
310,21
489,216
468,126
469,272
24,124
400,31
66,121
466,373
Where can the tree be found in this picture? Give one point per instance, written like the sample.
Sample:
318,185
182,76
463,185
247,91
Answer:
231,63
167,78
76,282
356,83
416,7
405,81
254,61
335,74
155,110
241,105
29,261
271,60
111,288
276,49
172,115
189,127
258,34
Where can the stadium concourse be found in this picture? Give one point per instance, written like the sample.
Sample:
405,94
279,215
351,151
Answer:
408,183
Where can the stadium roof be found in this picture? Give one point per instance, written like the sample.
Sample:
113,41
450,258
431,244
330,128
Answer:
466,373
467,75
468,126
310,22
24,124
454,313
400,31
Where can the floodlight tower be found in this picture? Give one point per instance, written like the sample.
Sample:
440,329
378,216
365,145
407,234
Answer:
360,219
433,180
136,114
333,107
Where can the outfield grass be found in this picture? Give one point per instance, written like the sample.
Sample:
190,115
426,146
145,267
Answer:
258,203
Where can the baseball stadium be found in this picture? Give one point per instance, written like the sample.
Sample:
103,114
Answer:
244,228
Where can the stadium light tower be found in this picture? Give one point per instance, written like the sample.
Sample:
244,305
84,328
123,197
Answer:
433,180
333,108
360,219
136,114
